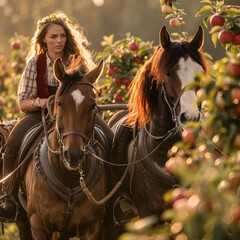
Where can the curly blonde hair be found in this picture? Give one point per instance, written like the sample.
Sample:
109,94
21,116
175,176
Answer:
76,44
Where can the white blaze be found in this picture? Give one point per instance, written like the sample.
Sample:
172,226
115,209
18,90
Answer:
77,97
188,69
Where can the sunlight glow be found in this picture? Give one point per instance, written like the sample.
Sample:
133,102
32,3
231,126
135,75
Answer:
98,3
3,2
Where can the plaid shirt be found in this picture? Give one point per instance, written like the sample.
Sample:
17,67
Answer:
28,85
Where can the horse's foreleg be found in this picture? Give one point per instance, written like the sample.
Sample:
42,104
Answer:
91,232
24,229
38,229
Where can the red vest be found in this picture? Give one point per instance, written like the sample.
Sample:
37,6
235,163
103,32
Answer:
42,81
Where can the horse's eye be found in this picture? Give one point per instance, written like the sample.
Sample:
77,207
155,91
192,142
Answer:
59,104
168,73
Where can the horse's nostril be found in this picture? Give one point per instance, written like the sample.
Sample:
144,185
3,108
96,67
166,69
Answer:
183,118
66,155
73,158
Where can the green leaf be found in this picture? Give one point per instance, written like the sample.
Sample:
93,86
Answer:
219,4
205,21
215,39
108,40
215,29
204,9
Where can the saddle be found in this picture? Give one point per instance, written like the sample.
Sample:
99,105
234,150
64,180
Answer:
122,137
149,167
124,208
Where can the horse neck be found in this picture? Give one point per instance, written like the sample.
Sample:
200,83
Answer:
159,126
67,177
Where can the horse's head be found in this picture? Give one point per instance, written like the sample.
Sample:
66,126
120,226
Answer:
181,63
169,72
75,108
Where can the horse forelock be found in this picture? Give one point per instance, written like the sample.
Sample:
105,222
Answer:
69,79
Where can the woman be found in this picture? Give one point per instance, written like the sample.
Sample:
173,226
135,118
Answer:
56,36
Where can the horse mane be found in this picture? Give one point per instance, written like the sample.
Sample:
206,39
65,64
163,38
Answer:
143,90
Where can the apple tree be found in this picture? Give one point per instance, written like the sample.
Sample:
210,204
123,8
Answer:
10,74
123,59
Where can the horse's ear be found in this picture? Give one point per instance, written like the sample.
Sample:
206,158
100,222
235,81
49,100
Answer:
96,73
59,69
164,38
198,39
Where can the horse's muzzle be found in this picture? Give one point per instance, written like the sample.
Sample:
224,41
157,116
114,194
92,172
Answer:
73,159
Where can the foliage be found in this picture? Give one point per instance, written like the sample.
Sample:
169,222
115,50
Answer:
10,75
123,59
230,14
206,205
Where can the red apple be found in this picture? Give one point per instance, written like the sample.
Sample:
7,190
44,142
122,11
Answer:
188,135
169,165
16,44
118,52
2,101
126,81
111,70
166,9
225,36
217,20
236,39
235,94
234,180
174,22
235,214
126,55
133,46
233,69
118,81
174,165
138,60
179,193
118,97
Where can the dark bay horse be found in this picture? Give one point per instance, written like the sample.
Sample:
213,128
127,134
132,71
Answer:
64,181
162,99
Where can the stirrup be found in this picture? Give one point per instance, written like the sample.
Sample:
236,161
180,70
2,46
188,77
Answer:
125,207
9,219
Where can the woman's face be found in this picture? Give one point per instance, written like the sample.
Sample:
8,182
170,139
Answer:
55,39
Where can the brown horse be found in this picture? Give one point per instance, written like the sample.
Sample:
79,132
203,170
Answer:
64,176
162,99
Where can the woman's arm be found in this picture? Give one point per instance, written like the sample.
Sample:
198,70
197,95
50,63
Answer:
30,105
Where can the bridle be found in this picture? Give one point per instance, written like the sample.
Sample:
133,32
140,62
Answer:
173,107
60,135
172,132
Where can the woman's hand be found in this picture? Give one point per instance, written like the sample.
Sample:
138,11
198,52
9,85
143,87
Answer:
41,102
